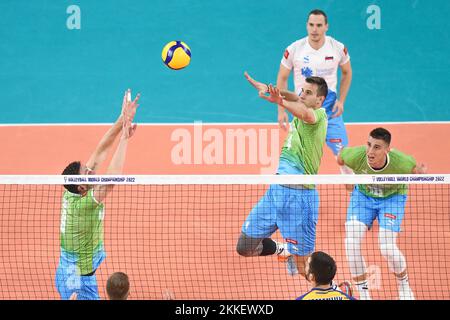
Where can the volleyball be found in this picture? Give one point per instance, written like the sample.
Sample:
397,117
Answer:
176,55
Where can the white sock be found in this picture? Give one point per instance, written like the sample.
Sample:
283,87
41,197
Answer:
363,289
403,281
405,292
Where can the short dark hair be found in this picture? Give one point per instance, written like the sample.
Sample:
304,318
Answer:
318,12
72,169
118,286
381,134
323,267
322,87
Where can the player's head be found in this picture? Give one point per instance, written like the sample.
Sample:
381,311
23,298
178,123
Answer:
118,286
314,92
378,146
76,168
317,25
320,268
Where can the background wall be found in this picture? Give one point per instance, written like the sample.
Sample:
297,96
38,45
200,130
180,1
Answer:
50,74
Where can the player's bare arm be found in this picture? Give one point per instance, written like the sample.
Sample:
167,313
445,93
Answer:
297,108
264,88
101,151
118,159
346,80
339,159
282,80
289,95
261,87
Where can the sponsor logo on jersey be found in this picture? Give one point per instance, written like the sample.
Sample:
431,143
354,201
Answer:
306,59
291,241
390,216
325,72
286,54
329,58
335,140
307,72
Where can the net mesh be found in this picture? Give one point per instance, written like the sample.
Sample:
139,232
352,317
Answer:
182,238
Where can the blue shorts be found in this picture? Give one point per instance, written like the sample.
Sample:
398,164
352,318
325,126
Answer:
294,211
336,134
388,211
68,279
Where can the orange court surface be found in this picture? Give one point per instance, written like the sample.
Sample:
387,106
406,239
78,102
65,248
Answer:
182,238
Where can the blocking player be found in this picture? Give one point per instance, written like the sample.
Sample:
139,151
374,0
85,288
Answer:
81,229
294,210
383,202
319,55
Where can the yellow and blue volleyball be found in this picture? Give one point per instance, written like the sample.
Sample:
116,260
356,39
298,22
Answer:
176,55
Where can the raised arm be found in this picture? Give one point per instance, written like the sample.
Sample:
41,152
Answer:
101,151
264,88
346,80
282,84
297,108
259,86
118,160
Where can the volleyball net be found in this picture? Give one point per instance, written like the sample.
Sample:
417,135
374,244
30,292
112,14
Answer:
178,234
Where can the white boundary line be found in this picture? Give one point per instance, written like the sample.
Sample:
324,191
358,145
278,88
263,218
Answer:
225,179
208,124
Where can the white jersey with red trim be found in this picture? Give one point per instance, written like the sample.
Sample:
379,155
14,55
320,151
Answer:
308,62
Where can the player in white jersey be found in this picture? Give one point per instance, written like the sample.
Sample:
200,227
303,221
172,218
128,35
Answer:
319,55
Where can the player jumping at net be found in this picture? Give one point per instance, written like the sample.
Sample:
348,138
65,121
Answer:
383,202
81,229
319,55
293,210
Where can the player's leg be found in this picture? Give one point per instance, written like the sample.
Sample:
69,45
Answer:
67,278
260,224
300,263
249,247
337,139
360,216
390,218
336,133
89,288
297,222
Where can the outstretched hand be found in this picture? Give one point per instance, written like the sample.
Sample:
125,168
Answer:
129,107
128,112
274,95
261,87
420,169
